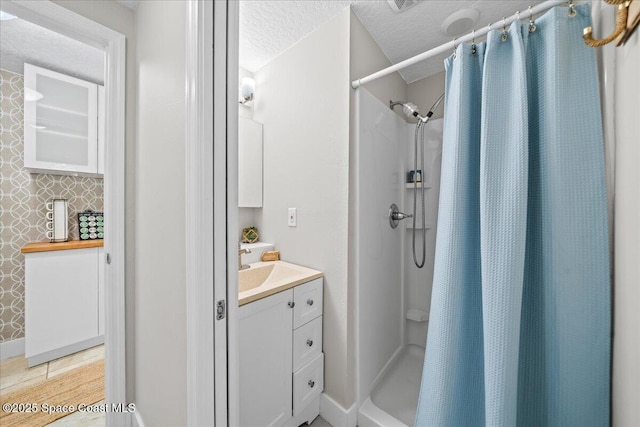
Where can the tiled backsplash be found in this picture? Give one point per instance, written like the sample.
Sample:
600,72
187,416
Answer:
22,204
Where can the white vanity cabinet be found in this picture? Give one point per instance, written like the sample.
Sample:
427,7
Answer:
281,359
64,295
62,123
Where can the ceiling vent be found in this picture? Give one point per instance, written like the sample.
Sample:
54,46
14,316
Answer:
402,5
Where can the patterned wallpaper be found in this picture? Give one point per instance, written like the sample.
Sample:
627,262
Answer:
22,205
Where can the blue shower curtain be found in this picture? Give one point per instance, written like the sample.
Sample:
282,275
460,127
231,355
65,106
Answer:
520,313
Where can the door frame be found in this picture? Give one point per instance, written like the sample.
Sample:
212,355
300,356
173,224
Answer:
200,221
63,21
211,212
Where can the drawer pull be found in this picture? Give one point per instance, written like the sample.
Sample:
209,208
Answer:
310,343
291,304
310,301
311,383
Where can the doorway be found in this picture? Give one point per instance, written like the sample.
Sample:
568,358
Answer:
67,23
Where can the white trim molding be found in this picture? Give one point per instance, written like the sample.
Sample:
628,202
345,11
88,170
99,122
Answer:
229,185
63,21
201,348
114,202
13,348
335,414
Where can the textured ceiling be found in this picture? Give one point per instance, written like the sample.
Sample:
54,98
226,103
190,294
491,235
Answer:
268,28
22,41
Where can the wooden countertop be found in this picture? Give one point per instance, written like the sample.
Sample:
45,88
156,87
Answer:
61,246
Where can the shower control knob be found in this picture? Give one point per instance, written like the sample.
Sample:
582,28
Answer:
396,216
310,343
291,304
311,383
310,301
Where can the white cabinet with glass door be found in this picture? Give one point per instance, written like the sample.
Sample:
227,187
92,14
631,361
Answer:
60,123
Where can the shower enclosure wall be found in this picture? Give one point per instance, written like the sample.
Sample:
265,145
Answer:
392,295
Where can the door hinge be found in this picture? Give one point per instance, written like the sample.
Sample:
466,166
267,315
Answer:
221,310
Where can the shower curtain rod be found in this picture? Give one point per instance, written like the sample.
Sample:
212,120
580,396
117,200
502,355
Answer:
450,46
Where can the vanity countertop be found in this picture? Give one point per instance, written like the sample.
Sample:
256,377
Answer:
267,278
61,246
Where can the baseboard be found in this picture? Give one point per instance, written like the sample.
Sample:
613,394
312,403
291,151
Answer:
13,348
64,351
335,414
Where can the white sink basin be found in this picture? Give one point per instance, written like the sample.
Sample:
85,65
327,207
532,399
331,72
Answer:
262,279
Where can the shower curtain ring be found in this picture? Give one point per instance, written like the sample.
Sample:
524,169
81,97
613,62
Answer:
504,29
473,42
532,25
572,8
454,48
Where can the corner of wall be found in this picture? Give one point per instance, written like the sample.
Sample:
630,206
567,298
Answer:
305,160
335,414
626,343
424,92
365,57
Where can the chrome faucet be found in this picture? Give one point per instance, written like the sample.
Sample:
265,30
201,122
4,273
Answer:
242,266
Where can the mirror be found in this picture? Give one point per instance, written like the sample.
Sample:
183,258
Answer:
249,163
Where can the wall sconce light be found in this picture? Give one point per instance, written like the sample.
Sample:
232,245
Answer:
247,90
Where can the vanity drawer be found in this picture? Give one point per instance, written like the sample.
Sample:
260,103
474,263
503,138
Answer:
308,383
307,343
308,302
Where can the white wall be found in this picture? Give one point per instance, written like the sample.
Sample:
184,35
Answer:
418,281
119,18
160,317
376,249
304,106
425,92
365,57
626,351
247,217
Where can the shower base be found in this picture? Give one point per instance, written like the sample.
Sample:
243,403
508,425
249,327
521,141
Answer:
394,400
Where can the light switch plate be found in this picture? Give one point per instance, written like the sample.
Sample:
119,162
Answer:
292,217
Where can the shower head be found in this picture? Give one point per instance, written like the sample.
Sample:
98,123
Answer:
408,108
411,110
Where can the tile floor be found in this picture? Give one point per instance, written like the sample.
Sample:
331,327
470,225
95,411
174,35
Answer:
14,374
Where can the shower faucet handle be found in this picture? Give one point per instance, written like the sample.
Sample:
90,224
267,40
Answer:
396,216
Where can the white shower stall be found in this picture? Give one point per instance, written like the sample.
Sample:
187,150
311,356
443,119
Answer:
392,294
